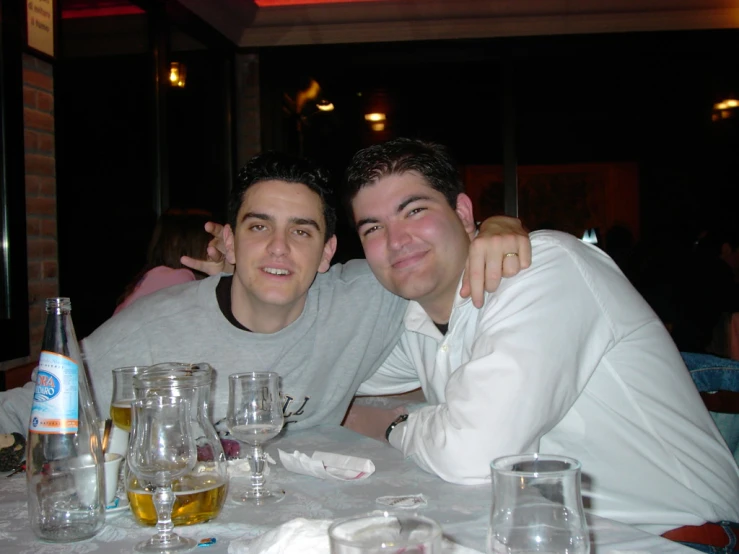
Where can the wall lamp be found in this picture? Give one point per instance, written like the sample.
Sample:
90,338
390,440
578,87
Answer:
376,120
726,109
177,74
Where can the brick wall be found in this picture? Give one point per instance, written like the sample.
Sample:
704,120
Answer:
38,117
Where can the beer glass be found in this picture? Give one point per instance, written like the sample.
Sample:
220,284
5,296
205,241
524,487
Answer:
120,403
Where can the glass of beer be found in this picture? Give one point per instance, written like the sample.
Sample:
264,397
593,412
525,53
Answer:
120,404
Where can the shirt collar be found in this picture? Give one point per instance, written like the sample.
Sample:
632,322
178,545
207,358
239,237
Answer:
416,319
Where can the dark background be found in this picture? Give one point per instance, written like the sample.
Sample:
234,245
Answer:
641,98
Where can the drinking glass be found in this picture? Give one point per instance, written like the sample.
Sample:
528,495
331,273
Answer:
255,416
537,506
385,533
120,403
162,449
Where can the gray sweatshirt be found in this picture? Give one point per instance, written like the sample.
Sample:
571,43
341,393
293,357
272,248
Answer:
348,326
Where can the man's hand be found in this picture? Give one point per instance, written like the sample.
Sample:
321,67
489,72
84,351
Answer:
216,262
501,249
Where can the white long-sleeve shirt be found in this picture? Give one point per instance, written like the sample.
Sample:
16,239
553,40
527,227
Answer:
565,358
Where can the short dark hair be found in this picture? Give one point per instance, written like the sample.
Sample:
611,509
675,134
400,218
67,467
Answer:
432,161
278,166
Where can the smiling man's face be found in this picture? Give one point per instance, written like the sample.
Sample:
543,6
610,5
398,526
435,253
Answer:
414,241
277,248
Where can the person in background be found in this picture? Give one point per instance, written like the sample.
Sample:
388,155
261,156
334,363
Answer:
177,233
564,358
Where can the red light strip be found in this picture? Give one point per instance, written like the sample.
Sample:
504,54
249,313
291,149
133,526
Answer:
276,3
101,12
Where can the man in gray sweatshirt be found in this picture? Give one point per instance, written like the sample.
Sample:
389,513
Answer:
324,329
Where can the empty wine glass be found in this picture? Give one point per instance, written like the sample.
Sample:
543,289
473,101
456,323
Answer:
162,449
255,417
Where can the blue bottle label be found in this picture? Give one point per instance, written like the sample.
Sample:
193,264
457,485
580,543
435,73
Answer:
55,399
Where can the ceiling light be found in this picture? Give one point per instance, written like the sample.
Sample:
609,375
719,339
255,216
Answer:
374,117
325,106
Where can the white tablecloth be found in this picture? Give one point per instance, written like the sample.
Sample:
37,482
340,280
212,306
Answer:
462,511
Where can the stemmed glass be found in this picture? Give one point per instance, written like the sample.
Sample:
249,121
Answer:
162,449
255,417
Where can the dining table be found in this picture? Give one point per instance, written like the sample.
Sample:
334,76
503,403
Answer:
462,511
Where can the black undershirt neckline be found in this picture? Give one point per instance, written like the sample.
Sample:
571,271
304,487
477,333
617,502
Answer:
223,295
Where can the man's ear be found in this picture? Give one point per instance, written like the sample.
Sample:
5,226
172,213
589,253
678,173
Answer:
329,249
228,241
464,212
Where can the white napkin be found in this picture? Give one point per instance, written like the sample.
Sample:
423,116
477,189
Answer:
327,464
297,536
306,536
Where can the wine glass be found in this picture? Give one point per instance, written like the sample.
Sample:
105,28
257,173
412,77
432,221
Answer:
162,449
255,417
123,396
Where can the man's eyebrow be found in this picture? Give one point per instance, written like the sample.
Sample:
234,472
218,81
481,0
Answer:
365,221
293,220
410,200
256,215
305,221
400,208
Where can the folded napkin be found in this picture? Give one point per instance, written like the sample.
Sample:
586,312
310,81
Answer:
327,464
306,536
297,536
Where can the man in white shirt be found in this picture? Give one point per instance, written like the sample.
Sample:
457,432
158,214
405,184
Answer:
564,358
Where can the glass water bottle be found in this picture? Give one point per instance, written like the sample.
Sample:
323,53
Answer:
64,458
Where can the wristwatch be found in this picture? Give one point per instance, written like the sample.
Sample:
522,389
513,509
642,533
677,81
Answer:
398,420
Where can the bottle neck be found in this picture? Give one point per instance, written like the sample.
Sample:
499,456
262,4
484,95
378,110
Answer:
58,306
